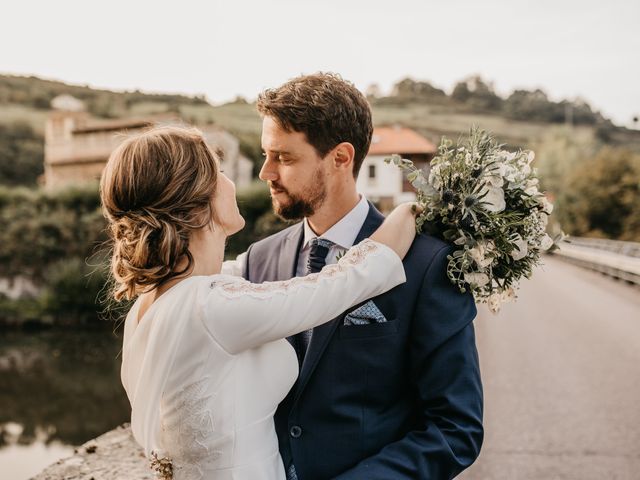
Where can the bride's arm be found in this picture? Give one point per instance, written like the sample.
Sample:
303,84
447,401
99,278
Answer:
242,315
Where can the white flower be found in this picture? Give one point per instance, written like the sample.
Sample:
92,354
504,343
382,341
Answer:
547,206
476,278
521,249
508,295
494,302
531,187
530,156
507,156
492,199
508,172
531,191
546,242
468,161
479,254
532,181
494,180
543,218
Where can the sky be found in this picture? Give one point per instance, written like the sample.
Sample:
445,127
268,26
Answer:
571,49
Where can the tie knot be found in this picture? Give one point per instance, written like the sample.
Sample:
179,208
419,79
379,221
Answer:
318,254
318,242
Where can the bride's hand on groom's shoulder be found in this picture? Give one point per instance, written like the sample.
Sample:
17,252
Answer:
399,228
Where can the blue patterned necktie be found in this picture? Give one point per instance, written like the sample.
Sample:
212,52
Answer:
318,254
317,259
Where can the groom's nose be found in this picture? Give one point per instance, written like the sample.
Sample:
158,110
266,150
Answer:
268,172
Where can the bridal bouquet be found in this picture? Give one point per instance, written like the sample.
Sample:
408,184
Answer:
485,201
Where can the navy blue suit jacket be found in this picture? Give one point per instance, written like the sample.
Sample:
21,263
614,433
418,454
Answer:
394,400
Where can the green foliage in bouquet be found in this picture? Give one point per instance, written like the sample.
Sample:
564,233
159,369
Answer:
485,201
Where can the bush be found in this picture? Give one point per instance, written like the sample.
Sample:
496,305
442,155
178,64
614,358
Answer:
57,240
73,291
43,228
21,154
602,196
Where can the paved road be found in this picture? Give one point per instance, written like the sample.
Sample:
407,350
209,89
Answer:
561,372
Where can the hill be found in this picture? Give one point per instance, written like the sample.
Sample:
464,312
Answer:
524,119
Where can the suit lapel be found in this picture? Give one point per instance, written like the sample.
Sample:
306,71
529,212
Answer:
323,333
288,254
288,260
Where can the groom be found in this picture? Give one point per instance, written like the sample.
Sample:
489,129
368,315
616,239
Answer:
390,389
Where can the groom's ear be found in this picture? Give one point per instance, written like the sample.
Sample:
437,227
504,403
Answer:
343,155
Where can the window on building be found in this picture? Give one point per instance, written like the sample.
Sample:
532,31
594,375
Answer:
372,171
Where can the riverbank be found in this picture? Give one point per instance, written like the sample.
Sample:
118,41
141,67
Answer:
112,456
59,388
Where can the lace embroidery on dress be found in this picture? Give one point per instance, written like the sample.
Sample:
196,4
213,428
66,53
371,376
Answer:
186,426
237,287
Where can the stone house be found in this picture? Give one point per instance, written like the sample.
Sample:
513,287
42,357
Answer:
77,146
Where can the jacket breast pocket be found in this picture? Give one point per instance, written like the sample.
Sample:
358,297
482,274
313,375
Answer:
369,331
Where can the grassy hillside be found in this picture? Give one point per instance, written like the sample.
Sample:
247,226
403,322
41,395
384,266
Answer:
24,104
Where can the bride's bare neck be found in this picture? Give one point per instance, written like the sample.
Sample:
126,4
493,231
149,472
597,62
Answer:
207,250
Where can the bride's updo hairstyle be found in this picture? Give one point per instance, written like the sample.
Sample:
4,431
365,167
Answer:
156,190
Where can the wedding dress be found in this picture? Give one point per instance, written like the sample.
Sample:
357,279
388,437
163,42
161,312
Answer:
207,364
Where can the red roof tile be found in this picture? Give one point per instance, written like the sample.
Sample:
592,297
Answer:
401,140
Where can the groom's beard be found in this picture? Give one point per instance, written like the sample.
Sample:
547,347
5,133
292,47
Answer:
295,207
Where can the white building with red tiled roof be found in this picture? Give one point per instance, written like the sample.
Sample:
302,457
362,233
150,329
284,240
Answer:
386,184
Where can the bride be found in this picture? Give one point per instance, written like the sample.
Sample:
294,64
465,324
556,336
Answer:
205,360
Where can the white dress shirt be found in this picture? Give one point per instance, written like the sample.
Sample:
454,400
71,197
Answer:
342,234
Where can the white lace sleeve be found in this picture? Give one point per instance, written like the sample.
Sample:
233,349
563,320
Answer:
242,315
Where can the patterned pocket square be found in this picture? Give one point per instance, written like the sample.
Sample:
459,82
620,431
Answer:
365,315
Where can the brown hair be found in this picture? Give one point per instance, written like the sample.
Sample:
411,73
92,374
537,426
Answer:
156,189
326,108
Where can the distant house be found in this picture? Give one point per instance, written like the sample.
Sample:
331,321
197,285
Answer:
386,184
77,146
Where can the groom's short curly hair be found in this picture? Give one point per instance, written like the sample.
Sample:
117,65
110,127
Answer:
326,108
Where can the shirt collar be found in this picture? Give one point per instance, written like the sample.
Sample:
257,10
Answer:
345,231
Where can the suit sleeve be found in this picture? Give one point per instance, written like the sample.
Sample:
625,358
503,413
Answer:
242,315
446,376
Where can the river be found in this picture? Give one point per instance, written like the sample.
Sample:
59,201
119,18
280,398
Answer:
58,389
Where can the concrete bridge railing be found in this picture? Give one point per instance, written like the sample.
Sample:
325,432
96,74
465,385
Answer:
614,258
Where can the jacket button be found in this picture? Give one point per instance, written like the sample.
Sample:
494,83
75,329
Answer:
295,431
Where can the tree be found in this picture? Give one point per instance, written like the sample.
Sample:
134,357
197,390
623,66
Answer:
476,93
409,89
461,92
602,195
559,153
